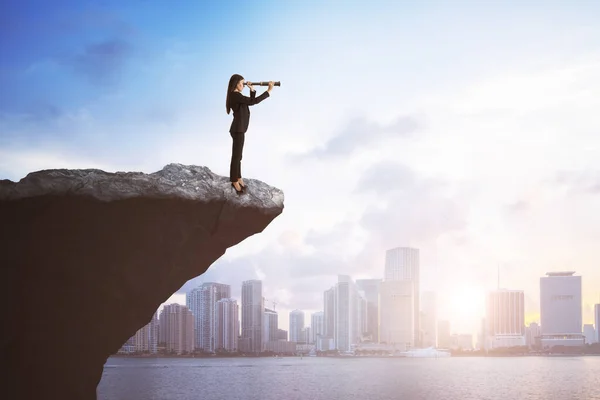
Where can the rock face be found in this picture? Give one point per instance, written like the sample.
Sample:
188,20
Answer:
88,256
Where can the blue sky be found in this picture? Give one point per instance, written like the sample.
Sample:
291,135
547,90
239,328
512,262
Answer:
459,128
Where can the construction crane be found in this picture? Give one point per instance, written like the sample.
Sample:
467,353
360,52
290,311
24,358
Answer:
271,301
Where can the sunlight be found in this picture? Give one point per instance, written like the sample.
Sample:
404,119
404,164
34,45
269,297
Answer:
467,306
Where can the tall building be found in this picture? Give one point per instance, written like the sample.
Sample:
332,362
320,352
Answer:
370,287
429,319
329,307
396,325
271,322
145,339
348,304
282,334
443,335
252,316
317,326
560,307
202,302
505,319
597,321
227,325
306,335
176,327
402,264
296,326
532,335
589,333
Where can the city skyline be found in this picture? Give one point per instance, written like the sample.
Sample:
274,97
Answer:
283,313
503,326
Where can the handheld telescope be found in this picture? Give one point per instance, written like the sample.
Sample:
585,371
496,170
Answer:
262,83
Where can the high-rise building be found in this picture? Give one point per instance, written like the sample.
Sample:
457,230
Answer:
347,321
282,334
252,316
176,326
532,335
443,335
145,340
271,321
396,325
402,264
296,326
589,333
505,319
202,302
227,325
306,335
597,321
370,287
560,307
329,307
429,319
317,326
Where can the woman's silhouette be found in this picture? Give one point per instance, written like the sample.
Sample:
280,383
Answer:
239,103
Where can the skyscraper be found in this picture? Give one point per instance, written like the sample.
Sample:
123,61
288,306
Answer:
271,321
370,287
202,302
346,326
402,265
589,333
317,326
176,326
227,325
252,316
429,319
145,340
560,306
505,318
329,307
397,309
597,321
444,336
532,334
296,326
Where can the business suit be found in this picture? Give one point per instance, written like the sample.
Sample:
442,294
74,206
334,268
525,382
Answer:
241,119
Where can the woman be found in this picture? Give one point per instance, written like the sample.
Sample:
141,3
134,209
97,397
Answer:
239,103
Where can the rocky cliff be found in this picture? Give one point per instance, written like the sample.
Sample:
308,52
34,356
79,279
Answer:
88,256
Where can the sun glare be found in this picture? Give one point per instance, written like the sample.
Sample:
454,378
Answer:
466,307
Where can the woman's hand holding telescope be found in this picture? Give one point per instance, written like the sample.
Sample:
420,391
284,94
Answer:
270,84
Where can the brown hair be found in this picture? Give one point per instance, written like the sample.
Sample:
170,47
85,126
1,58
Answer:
233,81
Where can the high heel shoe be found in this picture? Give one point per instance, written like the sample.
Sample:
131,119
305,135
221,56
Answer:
237,191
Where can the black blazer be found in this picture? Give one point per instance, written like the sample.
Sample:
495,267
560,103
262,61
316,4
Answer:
241,112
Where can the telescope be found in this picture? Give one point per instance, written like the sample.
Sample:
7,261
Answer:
262,83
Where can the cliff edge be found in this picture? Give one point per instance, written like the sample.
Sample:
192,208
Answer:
88,256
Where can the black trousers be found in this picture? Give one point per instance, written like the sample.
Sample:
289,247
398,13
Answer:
235,170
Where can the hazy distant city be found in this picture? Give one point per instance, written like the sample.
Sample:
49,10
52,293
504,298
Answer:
384,317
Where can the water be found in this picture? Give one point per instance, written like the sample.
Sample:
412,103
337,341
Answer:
312,378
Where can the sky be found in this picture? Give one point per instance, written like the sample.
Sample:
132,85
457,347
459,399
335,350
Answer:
468,131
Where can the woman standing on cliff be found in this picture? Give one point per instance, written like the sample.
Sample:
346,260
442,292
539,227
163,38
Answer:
239,103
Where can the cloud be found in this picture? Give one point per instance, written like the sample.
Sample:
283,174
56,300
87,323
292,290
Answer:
303,266
518,207
101,62
585,182
360,133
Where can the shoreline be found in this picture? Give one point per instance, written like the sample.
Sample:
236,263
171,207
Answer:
350,356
